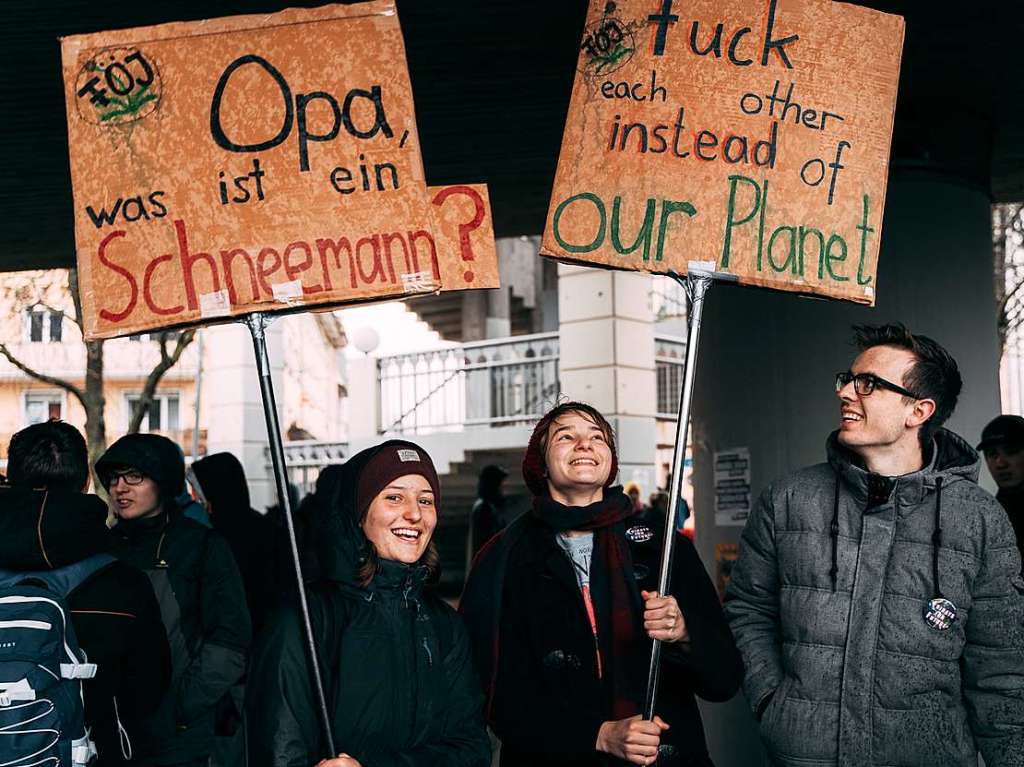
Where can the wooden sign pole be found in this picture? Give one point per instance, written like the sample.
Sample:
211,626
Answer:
697,282
257,324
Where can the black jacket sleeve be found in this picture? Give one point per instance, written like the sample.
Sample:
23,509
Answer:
226,633
281,725
709,663
463,740
146,670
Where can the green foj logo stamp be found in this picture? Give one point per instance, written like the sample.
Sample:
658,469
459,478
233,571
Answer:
118,85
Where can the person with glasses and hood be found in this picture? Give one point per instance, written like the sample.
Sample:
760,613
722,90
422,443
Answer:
198,586
562,607
877,598
398,679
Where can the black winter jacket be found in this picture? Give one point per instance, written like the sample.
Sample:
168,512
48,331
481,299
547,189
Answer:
399,682
114,613
549,703
202,602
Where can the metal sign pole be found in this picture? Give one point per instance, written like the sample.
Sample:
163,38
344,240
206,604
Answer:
257,324
697,282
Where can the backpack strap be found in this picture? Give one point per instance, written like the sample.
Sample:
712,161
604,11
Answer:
66,580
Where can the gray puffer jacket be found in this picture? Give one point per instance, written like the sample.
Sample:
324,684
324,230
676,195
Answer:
827,600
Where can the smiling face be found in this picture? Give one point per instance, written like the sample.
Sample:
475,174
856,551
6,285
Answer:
578,458
401,519
883,423
134,501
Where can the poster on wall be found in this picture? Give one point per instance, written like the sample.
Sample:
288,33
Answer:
732,486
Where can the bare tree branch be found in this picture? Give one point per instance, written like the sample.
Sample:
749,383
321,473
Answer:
52,380
167,361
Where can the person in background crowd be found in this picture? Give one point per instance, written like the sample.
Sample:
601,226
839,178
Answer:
219,480
1002,442
561,611
488,516
877,597
398,676
196,580
632,489
47,523
251,535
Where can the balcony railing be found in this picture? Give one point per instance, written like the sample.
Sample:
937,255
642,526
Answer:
669,366
490,383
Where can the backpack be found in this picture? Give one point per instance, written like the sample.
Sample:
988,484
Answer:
42,710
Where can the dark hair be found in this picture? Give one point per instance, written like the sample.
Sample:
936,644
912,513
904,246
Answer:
52,455
933,376
369,563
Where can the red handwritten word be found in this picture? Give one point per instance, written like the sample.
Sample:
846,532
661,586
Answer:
323,264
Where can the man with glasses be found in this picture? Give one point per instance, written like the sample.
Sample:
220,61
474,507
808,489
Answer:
48,525
197,584
877,598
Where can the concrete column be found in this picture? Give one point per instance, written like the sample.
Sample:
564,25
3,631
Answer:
235,419
768,361
363,400
607,358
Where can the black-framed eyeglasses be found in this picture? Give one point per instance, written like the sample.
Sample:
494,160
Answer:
130,477
865,383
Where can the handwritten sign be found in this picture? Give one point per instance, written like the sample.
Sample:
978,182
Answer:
254,163
464,226
753,134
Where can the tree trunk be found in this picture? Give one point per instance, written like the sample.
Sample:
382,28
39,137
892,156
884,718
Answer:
93,401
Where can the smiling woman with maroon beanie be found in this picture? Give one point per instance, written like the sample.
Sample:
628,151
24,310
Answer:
561,611
398,677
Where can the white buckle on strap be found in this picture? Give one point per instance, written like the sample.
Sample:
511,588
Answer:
78,670
82,750
12,692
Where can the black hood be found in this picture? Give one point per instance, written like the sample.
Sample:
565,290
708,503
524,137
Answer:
341,546
43,530
155,456
222,482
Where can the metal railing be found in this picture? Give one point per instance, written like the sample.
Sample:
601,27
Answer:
306,458
494,383
669,365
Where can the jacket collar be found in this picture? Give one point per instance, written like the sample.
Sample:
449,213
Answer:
950,458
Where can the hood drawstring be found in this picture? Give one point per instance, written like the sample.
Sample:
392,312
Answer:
937,538
834,535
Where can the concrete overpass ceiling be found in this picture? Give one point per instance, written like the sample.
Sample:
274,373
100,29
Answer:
492,82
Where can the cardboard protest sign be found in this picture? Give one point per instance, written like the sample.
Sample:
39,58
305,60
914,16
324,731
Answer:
254,163
464,227
755,135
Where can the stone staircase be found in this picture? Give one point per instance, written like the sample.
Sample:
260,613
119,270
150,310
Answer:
458,492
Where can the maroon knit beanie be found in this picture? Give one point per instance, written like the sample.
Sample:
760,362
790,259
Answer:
392,460
535,470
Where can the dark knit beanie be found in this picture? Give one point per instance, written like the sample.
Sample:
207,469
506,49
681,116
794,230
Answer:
535,470
394,459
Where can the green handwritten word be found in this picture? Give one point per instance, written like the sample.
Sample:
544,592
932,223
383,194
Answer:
787,245
643,236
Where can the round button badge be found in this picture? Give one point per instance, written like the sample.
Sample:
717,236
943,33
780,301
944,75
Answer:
940,614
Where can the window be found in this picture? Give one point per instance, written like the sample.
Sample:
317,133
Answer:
42,406
162,414
44,324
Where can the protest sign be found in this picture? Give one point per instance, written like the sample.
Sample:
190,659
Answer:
754,135
252,164
464,228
